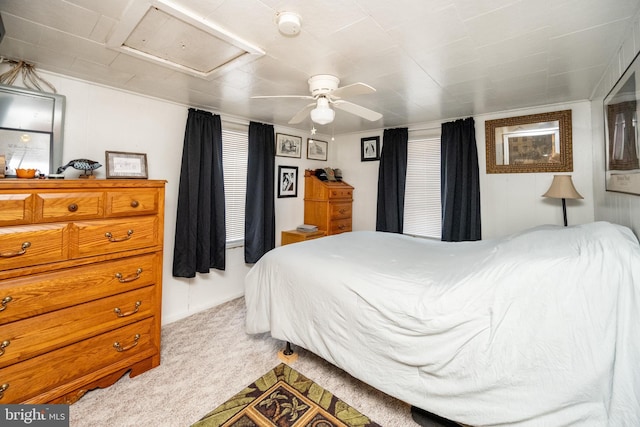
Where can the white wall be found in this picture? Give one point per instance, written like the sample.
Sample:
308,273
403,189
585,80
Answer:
99,118
509,202
609,206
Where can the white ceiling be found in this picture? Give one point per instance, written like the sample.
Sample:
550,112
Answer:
428,59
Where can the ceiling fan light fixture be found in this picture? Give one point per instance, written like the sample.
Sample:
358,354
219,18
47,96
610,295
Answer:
322,114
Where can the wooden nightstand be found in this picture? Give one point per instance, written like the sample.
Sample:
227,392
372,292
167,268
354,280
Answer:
295,236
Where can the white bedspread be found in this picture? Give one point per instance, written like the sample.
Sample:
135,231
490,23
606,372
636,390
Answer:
540,328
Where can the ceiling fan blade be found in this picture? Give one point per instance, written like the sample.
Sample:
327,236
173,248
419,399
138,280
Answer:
302,114
358,110
352,90
283,96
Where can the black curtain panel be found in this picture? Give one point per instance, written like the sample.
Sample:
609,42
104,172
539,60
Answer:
460,182
260,218
392,177
200,240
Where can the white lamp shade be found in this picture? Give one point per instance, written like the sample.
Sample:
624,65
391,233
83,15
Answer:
562,188
322,114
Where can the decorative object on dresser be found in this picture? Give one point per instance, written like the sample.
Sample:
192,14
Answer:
327,204
85,165
126,165
80,285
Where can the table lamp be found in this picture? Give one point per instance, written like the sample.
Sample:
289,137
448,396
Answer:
562,188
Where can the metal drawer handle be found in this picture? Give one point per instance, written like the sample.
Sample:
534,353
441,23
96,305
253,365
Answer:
119,348
343,211
115,239
72,207
10,254
5,301
3,388
342,227
134,204
130,278
121,314
4,345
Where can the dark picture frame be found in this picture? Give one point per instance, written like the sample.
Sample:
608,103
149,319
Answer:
288,145
317,149
370,149
287,181
122,165
622,152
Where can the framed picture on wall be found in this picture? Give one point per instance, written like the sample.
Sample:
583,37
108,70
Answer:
370,149
287,181
316,149
288,145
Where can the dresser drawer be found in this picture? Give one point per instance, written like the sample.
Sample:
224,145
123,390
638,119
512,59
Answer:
39,374
41,293
132,202
32,245
341,193
68,206
36,335
340,210
110,236
340,226
16,208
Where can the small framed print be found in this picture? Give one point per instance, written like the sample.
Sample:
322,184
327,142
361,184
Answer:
288,145
126,165
287,181
316,149
370,149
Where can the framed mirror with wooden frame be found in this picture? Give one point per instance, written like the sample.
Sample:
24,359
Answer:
527,144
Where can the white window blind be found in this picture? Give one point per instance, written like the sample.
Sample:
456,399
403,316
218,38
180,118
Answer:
422,209
235,149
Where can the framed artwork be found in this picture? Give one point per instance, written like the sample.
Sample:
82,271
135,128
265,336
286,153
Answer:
316,149
622,149
370,149
126,165
288,145
287,181
533,143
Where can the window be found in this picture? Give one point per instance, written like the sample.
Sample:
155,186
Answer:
422,208
235,151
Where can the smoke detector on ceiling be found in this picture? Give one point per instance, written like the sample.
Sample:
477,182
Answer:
288,23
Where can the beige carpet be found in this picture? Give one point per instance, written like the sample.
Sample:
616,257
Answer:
206,359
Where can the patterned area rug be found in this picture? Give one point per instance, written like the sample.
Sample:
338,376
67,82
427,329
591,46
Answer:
285,398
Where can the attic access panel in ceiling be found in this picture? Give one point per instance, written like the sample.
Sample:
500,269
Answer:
164,33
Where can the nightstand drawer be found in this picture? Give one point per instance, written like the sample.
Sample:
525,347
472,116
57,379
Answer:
295,236
340,210
340,193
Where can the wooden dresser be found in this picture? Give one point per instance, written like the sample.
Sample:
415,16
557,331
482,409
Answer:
327,204
80,285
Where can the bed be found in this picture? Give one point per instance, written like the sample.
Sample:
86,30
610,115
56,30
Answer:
537,328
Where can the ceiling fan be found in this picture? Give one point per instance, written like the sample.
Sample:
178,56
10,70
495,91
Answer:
326,93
